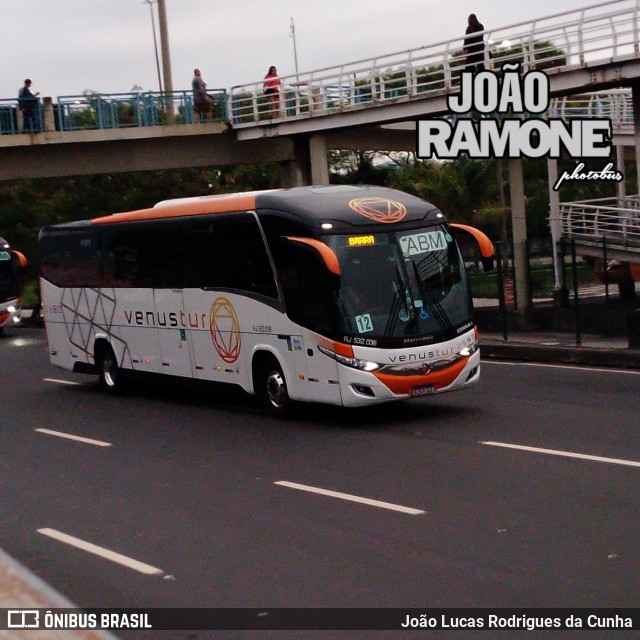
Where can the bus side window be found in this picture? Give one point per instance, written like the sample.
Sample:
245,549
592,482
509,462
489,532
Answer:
231,254
72,260
137,257
8,281
120,258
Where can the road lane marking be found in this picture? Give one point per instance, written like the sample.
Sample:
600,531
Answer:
101,551
585,367
68,436
69,382
346,496
566,454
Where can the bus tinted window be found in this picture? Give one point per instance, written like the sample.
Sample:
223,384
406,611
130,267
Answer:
190,253
8,280
230,254
72,259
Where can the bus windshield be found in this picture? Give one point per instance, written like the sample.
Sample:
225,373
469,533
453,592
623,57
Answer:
8,280
401,287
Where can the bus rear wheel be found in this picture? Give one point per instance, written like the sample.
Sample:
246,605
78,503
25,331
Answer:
272,389
110,374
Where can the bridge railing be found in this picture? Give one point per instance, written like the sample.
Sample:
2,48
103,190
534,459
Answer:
93,110
11,117
617,219
562,41
616,104
117,110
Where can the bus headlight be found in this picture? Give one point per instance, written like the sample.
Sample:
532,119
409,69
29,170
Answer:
11,309
356,363
469,350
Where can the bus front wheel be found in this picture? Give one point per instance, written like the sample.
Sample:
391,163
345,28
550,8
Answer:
111,376
272,389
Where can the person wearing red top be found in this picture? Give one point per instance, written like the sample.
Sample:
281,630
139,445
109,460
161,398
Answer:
272,90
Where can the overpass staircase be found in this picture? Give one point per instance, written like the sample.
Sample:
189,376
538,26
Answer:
608,227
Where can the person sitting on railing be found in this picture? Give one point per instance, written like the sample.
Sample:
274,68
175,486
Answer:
201,103
272,90
28,104
473,46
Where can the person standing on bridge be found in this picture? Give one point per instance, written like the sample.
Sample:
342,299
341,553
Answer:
272,90
201,104
28,104
473,46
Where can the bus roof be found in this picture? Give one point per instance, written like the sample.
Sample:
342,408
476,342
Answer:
338,205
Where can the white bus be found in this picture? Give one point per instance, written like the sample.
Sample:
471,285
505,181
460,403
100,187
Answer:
345,295
10,260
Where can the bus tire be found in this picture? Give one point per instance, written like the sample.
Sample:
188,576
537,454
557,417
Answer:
110,374
271,388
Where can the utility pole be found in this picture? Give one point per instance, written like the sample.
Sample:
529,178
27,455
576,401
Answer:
295,49
166,59
155,42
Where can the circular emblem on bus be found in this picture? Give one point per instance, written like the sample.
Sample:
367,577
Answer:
379,209
225,329
424,369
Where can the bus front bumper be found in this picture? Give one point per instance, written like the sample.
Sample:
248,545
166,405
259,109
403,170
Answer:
362,388
9,315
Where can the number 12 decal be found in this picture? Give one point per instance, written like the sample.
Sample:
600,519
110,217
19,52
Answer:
364,323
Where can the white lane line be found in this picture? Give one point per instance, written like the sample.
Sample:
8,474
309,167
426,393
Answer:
346,496
69,382
101,551
586,368
566,454
68,436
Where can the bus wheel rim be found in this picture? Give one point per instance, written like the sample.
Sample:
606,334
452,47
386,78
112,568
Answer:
276,389
108,370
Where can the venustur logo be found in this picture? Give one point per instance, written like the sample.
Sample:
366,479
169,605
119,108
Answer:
225,329
379,209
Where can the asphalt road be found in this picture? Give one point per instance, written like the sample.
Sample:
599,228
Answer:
212,503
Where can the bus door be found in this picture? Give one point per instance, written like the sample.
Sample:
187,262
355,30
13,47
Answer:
174,324
309,281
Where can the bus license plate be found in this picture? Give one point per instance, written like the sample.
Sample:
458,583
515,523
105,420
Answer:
425,390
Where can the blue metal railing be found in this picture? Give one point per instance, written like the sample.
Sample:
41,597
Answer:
11,118
115,111
119,110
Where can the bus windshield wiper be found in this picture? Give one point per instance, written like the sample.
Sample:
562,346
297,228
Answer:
401,297
428,297
392,319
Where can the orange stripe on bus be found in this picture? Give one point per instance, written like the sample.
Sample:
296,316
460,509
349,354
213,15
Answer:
342,349
406,384
222,204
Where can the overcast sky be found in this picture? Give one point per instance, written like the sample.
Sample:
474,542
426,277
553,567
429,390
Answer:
69,46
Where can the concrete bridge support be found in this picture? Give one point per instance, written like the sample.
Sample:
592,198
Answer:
635,93
310,164
622,187
519,227
560,292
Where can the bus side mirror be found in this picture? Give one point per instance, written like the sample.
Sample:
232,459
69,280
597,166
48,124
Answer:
326,254
485,245
488,264
22,261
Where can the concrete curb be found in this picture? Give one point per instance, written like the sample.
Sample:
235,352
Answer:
21,589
